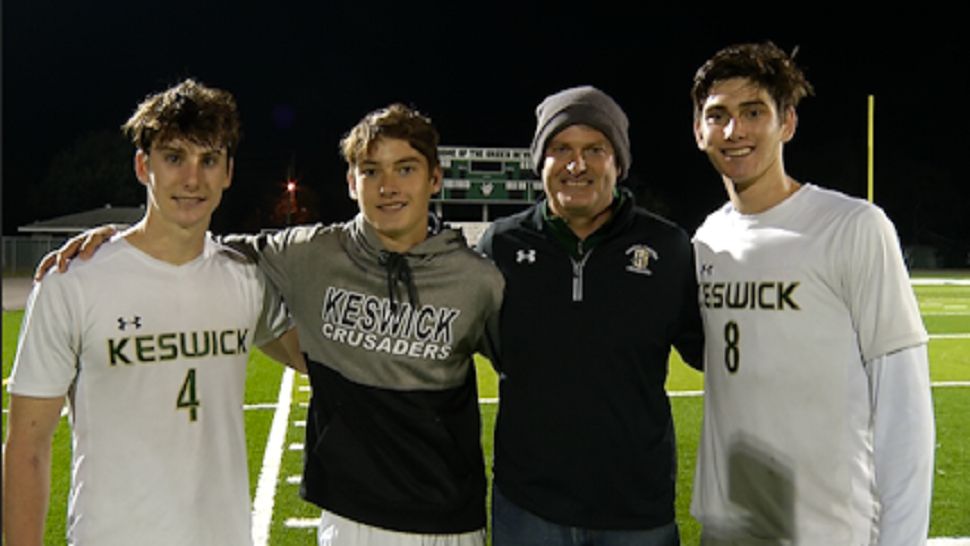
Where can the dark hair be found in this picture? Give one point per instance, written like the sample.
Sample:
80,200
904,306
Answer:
188,110
395,121
764,64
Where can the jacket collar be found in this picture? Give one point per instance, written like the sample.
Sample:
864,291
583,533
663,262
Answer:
623,205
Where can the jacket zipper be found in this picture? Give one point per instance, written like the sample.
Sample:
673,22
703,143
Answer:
578,273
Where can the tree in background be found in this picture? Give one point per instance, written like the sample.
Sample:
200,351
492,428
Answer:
95,170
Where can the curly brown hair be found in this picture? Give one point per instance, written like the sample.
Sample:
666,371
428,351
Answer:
395,121
764,64
189,110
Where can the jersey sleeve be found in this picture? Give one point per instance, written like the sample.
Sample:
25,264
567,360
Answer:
50,340
274,317
269,250
876,286
903,441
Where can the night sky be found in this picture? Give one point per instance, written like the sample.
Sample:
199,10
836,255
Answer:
303,76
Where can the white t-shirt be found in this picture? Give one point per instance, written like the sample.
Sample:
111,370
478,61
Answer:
153,359
794,301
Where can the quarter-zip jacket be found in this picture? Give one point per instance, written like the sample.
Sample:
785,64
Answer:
584,435
393,430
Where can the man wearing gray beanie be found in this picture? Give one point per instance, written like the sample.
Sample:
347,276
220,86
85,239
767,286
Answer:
582,105
597,292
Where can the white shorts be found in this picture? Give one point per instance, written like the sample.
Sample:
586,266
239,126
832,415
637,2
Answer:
335,530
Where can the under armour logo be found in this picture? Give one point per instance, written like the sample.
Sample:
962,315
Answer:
525,256
707,269
124,324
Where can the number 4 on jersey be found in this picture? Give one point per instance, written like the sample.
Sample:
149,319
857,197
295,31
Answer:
187,398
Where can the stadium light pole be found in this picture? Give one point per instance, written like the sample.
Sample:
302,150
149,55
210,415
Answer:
870,169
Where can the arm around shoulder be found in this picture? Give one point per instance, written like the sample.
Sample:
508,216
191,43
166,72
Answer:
82,245
484,244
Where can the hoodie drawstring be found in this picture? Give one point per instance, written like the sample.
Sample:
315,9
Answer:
398,270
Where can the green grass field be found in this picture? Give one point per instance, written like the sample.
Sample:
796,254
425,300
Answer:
945,309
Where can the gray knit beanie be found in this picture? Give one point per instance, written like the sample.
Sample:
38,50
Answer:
585,105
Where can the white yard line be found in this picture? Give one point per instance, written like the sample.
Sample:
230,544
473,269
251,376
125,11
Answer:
685,394
302,523
929,281
950,384
272,457
271,405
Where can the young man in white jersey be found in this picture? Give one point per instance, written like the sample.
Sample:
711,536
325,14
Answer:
148,341
818,423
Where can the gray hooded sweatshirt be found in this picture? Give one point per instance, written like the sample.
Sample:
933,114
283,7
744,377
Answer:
393,429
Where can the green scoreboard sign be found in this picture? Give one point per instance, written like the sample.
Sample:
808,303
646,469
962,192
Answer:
487,175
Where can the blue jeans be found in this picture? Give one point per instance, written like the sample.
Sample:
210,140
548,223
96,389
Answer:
514,526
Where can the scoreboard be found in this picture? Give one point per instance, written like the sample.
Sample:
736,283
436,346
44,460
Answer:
474,175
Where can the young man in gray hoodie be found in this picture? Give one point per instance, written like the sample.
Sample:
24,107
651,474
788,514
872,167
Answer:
390,307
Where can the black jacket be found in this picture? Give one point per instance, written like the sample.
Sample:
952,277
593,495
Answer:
584,435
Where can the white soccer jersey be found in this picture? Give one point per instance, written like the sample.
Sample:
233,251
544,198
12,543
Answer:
794,300
153,358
